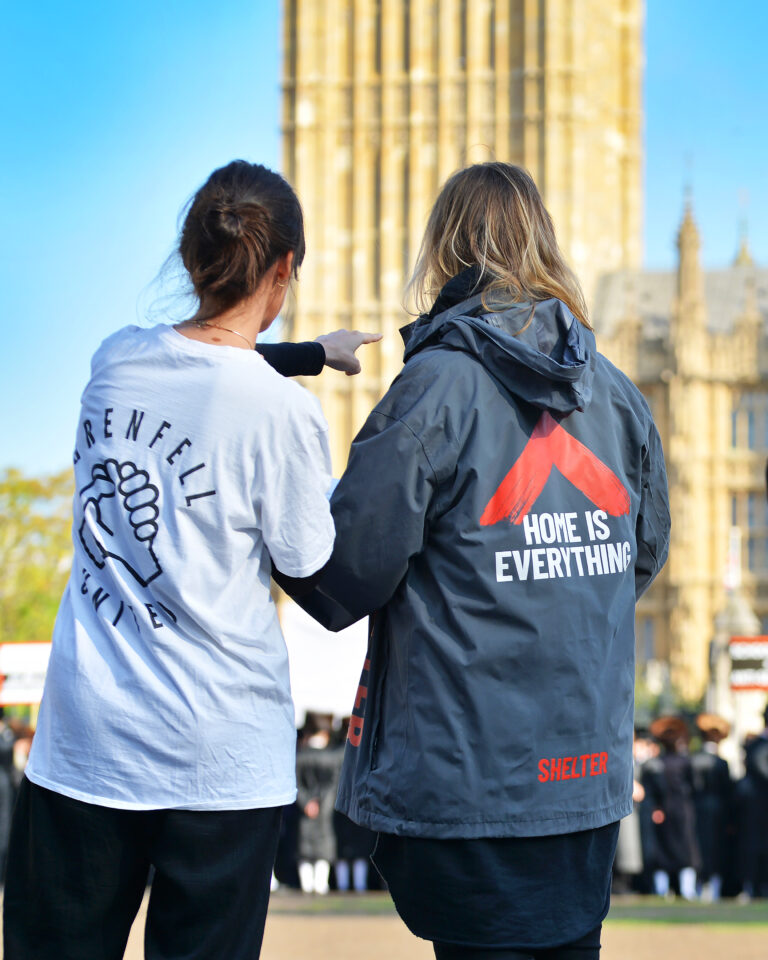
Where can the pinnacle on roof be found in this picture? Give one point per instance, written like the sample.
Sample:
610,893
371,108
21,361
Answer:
744,257
688,234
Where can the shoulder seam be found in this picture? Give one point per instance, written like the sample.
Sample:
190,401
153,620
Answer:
416,437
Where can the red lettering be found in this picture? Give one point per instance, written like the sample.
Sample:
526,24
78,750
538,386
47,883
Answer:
355,730
568,768
362,693
367,664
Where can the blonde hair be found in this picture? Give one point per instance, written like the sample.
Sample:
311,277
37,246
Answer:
491,215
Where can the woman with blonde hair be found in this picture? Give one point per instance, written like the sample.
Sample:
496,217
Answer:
504,506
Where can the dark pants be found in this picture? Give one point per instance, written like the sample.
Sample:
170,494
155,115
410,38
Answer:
77,874
587,948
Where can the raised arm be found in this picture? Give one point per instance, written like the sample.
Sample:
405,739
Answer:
380,512
337,350
294,359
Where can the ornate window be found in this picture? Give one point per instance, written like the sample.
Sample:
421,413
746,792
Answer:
749,421
749,512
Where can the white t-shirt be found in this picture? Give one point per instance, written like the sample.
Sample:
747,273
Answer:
168,682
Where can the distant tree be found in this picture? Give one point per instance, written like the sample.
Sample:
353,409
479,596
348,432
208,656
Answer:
35,552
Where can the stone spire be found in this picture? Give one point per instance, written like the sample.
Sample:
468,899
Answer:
690,279
744,256
688,326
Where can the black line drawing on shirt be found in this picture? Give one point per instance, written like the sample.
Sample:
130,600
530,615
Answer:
121,494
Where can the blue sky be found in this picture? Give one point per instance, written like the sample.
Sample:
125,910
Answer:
112,114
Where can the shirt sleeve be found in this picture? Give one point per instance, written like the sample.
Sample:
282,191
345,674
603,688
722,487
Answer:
380,511
296,521
294,359
653,520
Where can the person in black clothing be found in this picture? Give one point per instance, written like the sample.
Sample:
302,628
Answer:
752,808
318,762
354,844
7,740
712,797
668,783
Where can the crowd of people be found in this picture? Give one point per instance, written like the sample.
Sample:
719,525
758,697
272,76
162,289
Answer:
320,846
695,831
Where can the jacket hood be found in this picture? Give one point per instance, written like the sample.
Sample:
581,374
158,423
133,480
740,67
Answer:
549,363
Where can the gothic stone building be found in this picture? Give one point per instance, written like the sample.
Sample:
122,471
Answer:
694,342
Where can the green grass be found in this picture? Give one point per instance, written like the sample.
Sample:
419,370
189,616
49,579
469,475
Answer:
624,910
335,904
637,910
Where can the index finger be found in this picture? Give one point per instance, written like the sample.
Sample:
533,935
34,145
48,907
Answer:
367,337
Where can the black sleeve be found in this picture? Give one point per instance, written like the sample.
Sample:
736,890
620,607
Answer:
379,510
294,359
653,516
297,586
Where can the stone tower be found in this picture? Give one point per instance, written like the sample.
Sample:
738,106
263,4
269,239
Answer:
688,456
383,99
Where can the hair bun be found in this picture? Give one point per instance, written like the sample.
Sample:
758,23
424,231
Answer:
238,223
230,221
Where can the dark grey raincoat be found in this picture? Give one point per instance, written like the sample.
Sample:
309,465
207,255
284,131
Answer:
504,506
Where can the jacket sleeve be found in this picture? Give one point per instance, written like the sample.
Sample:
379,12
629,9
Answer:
294,359
379,509
653,521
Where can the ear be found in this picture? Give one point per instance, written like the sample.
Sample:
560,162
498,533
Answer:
283,268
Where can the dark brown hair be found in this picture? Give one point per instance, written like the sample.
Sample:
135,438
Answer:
242,219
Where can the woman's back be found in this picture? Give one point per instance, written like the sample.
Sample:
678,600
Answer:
192,461
510,477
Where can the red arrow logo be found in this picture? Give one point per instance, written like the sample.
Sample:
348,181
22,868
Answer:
551,446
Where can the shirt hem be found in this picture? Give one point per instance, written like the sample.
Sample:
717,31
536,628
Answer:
509,944
500,943
249,803
511,826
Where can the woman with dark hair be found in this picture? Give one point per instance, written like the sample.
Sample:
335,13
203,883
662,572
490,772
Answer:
166,732
503,508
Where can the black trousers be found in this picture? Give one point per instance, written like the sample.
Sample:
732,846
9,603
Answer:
587,948
77,873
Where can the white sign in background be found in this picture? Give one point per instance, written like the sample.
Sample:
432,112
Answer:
325,667
22,672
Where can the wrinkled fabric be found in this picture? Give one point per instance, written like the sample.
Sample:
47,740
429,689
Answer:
503,507
196,468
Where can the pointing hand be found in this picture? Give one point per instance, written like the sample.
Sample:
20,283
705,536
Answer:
341,346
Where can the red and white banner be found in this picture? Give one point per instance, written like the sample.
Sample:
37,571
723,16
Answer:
749,663
22,672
